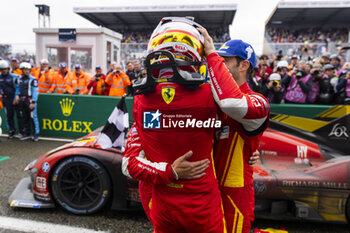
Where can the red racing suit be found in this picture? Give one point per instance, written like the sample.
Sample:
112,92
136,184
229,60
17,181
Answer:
177,205
245,116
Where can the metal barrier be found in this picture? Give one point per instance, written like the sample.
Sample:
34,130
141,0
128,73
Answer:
315,49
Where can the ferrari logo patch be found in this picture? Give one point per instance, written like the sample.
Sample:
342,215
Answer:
168,94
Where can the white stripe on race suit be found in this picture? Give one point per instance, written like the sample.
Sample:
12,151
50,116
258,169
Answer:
125,170
237,109
125,163
158,166
24,225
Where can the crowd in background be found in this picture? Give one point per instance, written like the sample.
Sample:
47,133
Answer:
309,35
115,82
320,80
219,35
21,83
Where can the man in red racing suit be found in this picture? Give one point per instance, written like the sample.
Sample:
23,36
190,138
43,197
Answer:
177,205
238,139
245,117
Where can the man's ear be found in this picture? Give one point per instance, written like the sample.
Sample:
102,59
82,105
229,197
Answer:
244,66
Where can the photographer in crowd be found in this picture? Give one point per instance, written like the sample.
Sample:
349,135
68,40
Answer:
316,77
119,81
255,81
272,89
98,84
326,95
264,70
297,86
343,88
335,61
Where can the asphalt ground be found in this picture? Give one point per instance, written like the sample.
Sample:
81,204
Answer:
23,152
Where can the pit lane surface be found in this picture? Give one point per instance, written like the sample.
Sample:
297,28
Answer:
23,152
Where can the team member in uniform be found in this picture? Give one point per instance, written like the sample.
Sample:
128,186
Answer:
78,82
245,117
7,95
177,205
60,79
26,98
118,81
45,76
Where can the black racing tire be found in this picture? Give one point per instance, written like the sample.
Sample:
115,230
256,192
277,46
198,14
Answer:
80,185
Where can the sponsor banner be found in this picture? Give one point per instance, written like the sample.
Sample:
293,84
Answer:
74,116
67,34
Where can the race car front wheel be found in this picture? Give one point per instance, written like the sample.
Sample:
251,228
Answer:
80,185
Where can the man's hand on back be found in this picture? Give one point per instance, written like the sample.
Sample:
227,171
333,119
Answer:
187,170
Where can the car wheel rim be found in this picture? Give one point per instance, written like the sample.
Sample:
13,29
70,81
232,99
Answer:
80,185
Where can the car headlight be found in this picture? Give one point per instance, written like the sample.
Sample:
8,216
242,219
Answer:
33,173
31,164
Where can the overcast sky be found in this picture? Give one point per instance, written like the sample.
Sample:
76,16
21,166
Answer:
19,17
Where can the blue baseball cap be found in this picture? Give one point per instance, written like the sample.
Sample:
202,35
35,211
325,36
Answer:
63,65
240,49
77,66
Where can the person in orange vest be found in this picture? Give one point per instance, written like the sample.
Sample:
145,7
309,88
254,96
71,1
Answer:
45,76
119,81
98,83
15,66
60,79
78,82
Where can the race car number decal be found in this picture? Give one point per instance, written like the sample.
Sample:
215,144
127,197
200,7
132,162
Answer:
302,155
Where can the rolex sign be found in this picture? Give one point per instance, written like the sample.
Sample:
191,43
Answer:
73,116
66,105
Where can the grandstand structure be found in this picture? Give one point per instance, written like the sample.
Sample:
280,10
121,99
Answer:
136,23
321,26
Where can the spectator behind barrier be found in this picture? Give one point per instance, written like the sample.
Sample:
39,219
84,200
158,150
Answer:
343,88
132,76
264,70
119,81
316,77
255,81
60,79
272,89
111,67
335,61
309,35
326,95
297,85
45,76
98,84
78,82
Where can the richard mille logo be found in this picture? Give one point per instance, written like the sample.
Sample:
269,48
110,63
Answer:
66,106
